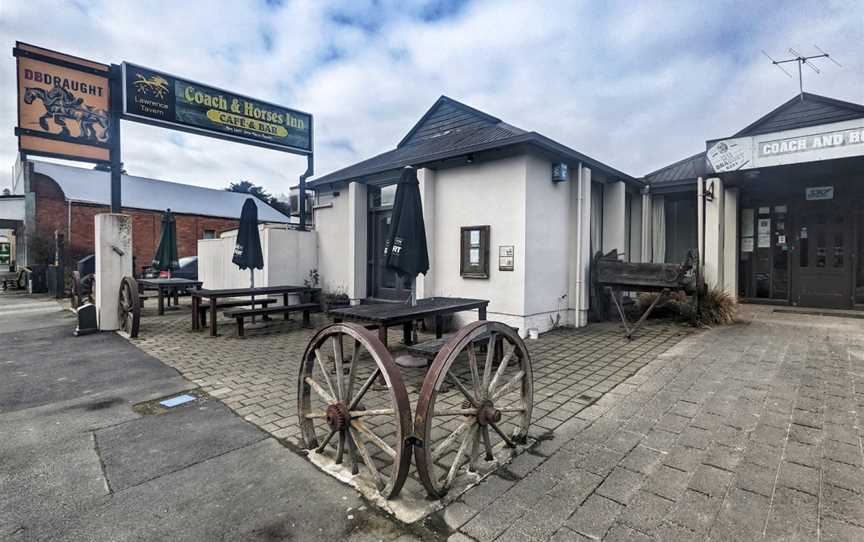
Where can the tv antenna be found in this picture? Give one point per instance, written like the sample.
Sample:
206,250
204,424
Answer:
801,60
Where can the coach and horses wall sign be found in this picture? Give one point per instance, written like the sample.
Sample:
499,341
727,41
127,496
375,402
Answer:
156,97
63,105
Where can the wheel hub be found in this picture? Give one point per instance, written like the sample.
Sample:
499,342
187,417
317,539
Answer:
338,416
487,413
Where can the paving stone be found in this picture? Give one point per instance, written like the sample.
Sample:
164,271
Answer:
836,530
621,485
802,454
742,516
643,460
646,511
842,452
843,504
669,531
804,434
685,459
799,477
723,457
843,475
755,478
600,461
710,480
695,511
767,434
793,515
595,516
672,423
695,437
668,482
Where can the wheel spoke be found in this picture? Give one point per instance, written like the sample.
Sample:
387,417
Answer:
340,448
373,438
355,351
372,412
337,360
451,438
463,389
459,453
315,414
475,375
501,368
326,441
490,356
475,449
487,445
320,391
322,366
508,387
456,412
364,453
502,435
364,388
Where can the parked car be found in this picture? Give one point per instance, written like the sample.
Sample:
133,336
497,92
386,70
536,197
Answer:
188,270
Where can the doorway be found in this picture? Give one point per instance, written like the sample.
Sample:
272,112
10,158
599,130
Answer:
823,262
383,283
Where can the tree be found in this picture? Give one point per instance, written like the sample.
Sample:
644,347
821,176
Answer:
247,187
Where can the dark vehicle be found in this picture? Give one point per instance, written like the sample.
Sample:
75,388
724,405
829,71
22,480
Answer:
188,270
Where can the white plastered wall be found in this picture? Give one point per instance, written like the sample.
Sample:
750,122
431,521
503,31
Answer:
331,224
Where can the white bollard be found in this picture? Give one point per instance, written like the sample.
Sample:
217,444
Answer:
113,262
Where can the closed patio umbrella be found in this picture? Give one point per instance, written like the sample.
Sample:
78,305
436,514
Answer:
407,253
247,250
165,258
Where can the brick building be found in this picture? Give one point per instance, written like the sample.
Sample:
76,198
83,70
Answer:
65,199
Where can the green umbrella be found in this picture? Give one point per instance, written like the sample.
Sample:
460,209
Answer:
165,258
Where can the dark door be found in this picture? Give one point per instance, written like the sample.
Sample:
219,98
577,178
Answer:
384,283
823,260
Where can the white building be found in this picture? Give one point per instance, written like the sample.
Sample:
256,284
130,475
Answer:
498,226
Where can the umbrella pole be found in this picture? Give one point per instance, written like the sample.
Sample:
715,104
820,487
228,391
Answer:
252,285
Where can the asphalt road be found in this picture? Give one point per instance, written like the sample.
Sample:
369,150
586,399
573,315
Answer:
78,462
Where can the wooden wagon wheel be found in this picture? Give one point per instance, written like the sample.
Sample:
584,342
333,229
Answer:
129,307
485,404
88,288
336,398
75,292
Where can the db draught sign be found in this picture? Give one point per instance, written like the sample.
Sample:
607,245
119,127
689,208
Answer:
63,105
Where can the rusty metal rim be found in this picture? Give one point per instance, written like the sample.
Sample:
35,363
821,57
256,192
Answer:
398,396
129,307
435,377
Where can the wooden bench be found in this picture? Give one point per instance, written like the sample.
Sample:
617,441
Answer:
204,306
306,308
429,349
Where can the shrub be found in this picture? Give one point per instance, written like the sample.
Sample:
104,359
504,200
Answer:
716,307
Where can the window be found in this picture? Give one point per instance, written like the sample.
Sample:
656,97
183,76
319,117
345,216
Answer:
209,234
474,259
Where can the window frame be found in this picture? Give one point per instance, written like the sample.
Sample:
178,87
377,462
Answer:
481,270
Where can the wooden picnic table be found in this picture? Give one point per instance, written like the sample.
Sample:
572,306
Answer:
168,286
212,296
386,315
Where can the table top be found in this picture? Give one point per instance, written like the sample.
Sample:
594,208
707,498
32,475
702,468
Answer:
430,306
169,282
232,292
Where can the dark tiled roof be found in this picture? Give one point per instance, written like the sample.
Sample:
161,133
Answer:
797,113
681,171
450,129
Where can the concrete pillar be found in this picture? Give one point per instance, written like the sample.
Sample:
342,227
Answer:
113,262
647,221
358,216
714,218
426,179
730,242
614,206
583,285
574,218
635,229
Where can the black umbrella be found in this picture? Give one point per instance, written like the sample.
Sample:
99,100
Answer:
407,253
247,251
165,258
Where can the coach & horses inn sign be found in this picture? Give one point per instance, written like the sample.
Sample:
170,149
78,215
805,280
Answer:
824,142
66,105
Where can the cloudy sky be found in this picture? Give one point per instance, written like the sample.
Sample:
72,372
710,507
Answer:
634,84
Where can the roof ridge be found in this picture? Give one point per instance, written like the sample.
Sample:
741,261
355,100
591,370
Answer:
673,164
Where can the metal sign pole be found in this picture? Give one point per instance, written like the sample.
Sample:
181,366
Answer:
301,197
116,110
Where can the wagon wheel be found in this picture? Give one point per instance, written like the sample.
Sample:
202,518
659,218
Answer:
87,288
477,397
129,307
340,410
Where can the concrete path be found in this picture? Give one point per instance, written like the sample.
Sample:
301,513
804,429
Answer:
79,463
747,432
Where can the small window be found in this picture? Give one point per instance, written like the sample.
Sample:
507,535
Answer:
474,259
209,234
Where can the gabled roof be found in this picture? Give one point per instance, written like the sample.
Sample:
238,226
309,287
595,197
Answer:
681,171
812,110
94,186
450,129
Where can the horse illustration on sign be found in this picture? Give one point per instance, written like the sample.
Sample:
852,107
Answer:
61,105
155,84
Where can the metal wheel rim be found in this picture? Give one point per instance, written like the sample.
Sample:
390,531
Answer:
75,293
398,396
423,421
129,310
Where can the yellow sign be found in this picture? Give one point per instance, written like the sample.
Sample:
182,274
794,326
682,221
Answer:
63,105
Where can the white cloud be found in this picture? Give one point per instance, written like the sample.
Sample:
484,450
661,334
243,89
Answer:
636,85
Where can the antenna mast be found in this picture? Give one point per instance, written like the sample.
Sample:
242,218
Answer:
801,60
